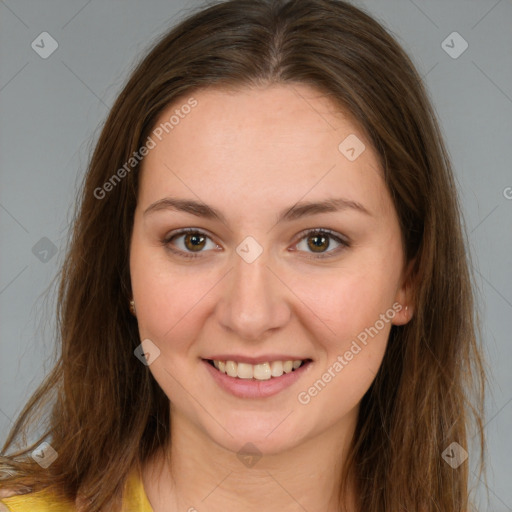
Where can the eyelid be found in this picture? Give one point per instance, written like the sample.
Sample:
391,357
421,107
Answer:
334,234
185,231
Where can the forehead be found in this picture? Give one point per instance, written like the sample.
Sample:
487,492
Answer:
282,140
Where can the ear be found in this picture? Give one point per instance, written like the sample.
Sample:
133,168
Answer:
405,296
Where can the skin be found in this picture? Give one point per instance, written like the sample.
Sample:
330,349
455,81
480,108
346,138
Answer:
250,154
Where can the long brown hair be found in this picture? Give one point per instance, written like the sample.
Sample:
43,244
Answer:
108,414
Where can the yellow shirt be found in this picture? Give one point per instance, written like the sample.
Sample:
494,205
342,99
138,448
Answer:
135,500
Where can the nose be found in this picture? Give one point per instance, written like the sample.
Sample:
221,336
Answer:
254,301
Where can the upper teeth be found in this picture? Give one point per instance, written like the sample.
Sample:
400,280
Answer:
262,371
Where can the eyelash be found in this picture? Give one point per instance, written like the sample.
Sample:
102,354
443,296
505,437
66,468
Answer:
304,234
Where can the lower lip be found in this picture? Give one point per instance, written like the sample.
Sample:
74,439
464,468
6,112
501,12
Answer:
252,388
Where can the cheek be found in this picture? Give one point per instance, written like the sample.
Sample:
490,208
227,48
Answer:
358,312
355,306
168,298
348,299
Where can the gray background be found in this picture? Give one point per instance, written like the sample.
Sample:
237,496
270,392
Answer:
51,111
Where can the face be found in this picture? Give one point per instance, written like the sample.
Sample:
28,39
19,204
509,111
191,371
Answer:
263,235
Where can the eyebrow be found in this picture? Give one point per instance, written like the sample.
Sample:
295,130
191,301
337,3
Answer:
298,210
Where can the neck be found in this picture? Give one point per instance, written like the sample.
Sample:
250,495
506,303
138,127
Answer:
198,474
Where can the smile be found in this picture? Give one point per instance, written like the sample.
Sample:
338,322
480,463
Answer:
261,371
260,380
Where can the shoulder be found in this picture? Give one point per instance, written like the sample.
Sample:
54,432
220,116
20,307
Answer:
35,502
44,501
135,493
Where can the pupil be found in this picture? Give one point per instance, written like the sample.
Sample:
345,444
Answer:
321,243
196,241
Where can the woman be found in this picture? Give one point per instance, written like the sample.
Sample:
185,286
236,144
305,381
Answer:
266,303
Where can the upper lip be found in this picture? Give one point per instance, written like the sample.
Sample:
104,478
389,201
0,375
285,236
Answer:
239,358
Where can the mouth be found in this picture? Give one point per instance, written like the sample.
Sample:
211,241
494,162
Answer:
256,381
257,372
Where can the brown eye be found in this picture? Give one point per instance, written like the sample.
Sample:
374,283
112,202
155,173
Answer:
194,241
318,243
189,243
322,242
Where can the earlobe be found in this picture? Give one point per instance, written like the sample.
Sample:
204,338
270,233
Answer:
403,316
405,297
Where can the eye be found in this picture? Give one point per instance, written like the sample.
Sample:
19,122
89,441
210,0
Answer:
189,242
318,241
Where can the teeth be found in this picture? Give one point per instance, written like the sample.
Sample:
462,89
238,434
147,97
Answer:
245,370
276,368
231,368
261,371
